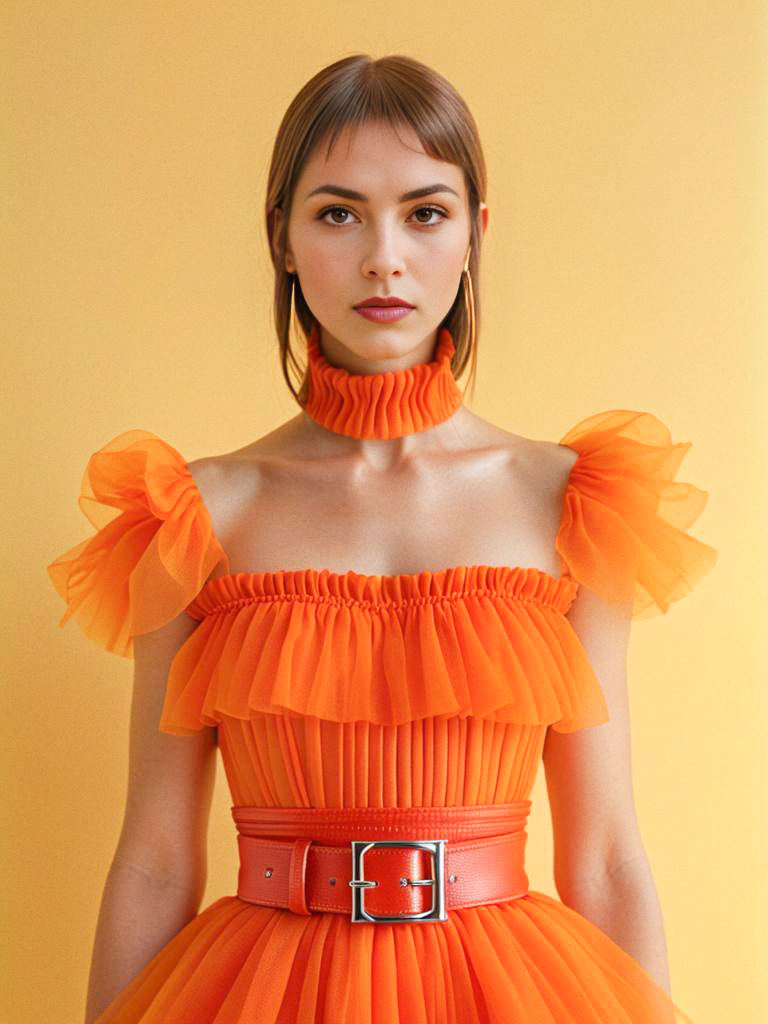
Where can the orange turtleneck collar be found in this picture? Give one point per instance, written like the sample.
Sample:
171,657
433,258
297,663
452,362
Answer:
381,406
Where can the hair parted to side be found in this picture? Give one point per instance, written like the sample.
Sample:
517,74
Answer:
355,90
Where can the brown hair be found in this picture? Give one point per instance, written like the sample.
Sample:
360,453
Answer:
397,90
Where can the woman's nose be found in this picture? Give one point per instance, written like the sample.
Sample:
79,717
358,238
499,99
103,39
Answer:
383,251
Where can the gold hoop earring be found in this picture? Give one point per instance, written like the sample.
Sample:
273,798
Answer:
469,300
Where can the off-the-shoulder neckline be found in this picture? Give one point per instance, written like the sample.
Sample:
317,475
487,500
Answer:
528,584
421,574
379,581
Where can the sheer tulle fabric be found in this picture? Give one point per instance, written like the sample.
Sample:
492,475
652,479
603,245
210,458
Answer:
624,519
530,961
153,549
488,642
432,689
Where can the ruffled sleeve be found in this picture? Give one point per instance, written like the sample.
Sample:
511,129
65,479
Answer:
624,521
153,549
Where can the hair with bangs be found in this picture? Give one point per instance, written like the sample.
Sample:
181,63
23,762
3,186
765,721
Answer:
399,91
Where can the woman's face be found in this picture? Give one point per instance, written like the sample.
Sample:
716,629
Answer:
346,250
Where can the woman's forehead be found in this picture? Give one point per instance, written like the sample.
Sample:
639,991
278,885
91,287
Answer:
378,157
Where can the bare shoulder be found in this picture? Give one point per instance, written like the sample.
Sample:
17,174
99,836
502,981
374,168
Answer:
546,461
224,487
242,468
563,457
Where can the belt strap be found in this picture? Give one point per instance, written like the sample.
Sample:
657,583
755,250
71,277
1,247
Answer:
301,859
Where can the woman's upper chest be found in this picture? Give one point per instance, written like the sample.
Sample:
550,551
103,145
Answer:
498,504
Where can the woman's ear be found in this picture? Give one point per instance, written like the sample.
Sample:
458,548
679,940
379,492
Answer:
278,226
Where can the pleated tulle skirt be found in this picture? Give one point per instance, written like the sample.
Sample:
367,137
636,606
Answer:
526,961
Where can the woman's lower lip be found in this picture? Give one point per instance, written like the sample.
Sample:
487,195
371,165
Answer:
384,314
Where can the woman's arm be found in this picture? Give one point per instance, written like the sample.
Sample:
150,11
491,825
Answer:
140,912
622,901
600,868
158,873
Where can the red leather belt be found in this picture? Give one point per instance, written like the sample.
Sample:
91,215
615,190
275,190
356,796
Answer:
382,864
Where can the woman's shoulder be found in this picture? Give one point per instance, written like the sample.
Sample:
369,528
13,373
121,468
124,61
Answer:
543,462
233,475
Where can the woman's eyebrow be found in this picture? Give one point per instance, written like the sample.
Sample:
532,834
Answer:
348,193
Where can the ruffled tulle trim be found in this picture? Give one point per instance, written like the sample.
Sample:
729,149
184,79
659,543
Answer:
419,588
622,528
532,959
382,405
153,550
485,641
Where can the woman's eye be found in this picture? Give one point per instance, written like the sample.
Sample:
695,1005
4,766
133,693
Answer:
333,209
431,209
421,209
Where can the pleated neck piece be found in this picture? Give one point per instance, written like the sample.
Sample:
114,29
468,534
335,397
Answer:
381,406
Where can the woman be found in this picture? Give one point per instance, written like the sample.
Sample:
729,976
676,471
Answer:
385,612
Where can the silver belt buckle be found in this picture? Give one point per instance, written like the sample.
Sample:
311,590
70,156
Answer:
359,883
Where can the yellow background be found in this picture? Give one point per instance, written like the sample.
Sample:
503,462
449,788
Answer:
624,267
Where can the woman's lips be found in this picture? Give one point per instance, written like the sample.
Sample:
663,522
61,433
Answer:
384,314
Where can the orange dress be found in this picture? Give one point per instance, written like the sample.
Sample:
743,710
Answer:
349,690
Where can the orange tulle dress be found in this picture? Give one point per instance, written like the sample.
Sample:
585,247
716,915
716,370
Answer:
347,690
